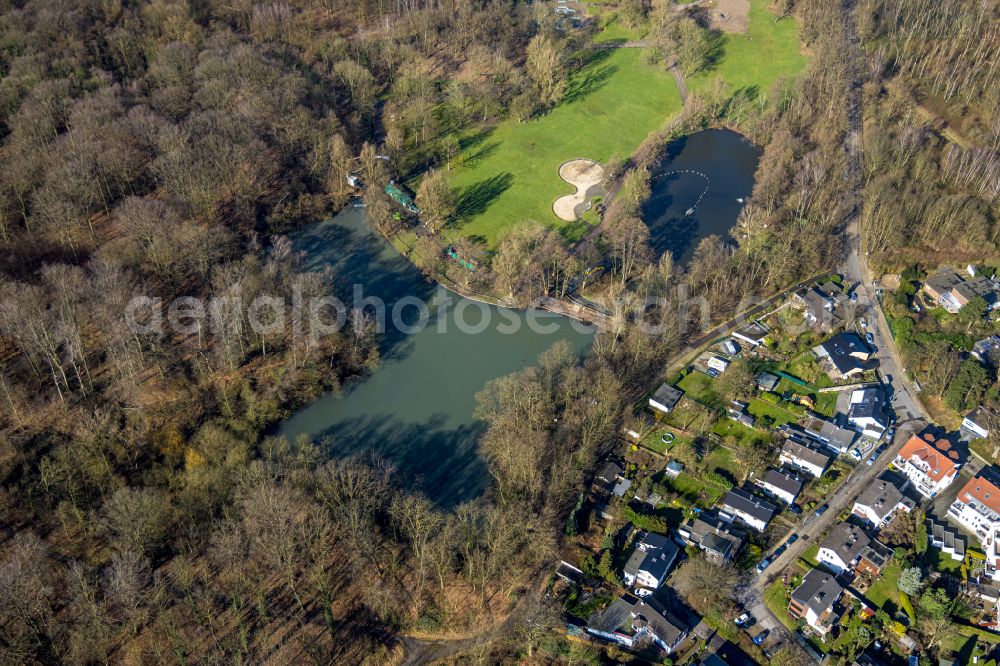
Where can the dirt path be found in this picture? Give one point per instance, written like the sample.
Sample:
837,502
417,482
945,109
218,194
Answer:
679,80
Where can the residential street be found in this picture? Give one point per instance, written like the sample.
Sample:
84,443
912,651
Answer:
910,414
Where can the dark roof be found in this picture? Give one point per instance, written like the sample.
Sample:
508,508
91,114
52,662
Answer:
871,405
767,381
740,500
752,331
882,495
783,481
667,395
846,352
847,541
942,281
610,471
977,286
629,610
666,627
657,558
877,553
803,452
819,591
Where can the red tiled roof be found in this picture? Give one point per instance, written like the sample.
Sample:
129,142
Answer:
982,491
940,457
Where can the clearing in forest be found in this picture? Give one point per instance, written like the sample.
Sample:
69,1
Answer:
509,173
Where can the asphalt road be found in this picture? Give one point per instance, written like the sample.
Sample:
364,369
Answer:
910,414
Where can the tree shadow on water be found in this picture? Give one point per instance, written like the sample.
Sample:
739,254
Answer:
442,462
475,199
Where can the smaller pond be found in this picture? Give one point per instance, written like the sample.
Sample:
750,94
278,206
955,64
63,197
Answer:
711,172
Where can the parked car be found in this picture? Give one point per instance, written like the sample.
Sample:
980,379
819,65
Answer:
772,650
792,539
712,372
764,564
855,453
795,508
890,433
761,637
820,510
743,620
874,456
854,297
869,338
643,592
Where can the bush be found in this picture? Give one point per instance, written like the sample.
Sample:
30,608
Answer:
904,601
645,521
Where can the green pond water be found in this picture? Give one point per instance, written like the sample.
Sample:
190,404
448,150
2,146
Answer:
416,409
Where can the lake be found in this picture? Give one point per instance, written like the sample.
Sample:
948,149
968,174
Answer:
416,409
711,171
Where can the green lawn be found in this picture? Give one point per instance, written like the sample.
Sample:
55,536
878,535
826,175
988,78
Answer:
770,49
775,599
654,441
811,554
699,386
721,458
884,589
508,174
942,562
744,436
780,415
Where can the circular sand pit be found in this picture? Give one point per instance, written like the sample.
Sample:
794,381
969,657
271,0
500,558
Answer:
586,176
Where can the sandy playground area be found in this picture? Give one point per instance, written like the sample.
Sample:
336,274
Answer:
729,15
586,176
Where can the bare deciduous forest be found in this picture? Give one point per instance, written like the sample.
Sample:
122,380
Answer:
165,148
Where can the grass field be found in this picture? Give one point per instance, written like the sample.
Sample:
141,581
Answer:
508,174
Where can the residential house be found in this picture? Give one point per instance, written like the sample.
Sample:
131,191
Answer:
781,485
987,351
717,363
753,511
976,424
867,411
636,623
650,562
666,398
874,558
880,500
952,292
943,536
816,601
930,465
940,284
844,355
820,305
842,547
738,412
829,434
718,539
977,509
805,458
979,286
753,333
767,381
611,477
